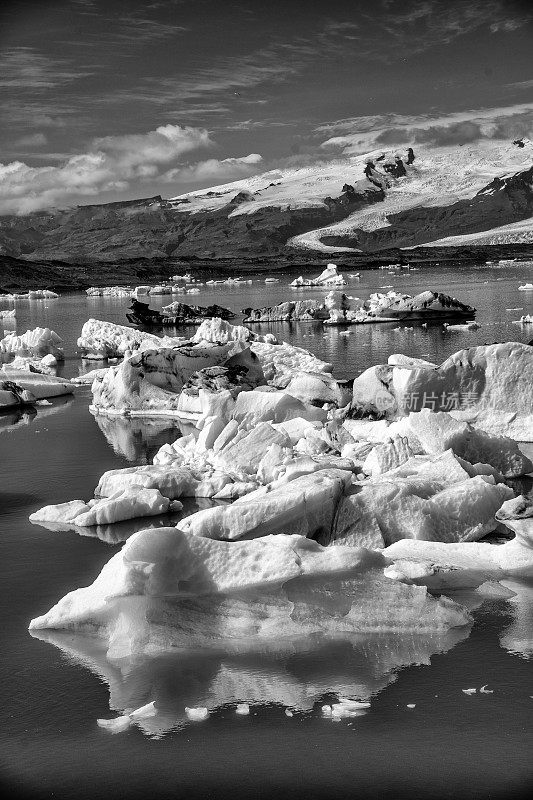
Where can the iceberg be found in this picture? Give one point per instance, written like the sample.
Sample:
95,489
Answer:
288,311
109,291
488,386
152,380
329,277
165,587
22,387
38,342
101,340
127,503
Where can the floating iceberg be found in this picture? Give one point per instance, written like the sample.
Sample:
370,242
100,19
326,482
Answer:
101,340
289,311
109,291
329,277
37,342
141,601
18,387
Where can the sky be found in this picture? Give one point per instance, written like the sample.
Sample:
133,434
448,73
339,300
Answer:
103,100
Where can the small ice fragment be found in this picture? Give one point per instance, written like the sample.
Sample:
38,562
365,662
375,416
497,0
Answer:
148,710
353,704
326,710
411,705
484,690
288,713
243,709
197,714
43,403
469,691
116,725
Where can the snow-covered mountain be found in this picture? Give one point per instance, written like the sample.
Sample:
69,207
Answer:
414,205
474,194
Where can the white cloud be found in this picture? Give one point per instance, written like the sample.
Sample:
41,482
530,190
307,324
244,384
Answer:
110,165
212,170
359,135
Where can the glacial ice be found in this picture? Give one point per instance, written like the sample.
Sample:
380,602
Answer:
24,387
144,597
329,277
38,342
127,503
101,340
305,506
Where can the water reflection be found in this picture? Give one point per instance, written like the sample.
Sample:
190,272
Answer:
518,637
137,439
296,673
20,416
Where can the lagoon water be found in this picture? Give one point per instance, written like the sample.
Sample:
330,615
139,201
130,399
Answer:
54,688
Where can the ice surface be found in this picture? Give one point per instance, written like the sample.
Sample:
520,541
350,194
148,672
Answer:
306,506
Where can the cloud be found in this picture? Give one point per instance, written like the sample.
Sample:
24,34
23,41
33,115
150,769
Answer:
32,140
358,136
110,165
25,68
214,171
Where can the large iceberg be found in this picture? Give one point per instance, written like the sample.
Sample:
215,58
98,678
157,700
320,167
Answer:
489,386
164,584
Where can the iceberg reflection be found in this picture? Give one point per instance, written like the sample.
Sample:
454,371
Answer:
295,673
138,440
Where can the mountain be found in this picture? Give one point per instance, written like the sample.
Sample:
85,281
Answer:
479,194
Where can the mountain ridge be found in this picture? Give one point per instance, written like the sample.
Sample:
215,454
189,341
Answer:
448,197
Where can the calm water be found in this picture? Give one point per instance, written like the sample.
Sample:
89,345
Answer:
53,690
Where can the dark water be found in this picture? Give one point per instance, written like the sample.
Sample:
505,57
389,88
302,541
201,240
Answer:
53,690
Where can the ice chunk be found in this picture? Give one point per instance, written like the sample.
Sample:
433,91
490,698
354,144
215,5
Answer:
100,340
281,361
492,561
62,512
317,389
439,431
128,503
117,725
243,453
387,456
306,505
197,714
38,342
172,483
257,406
36,385
141,601
490,384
